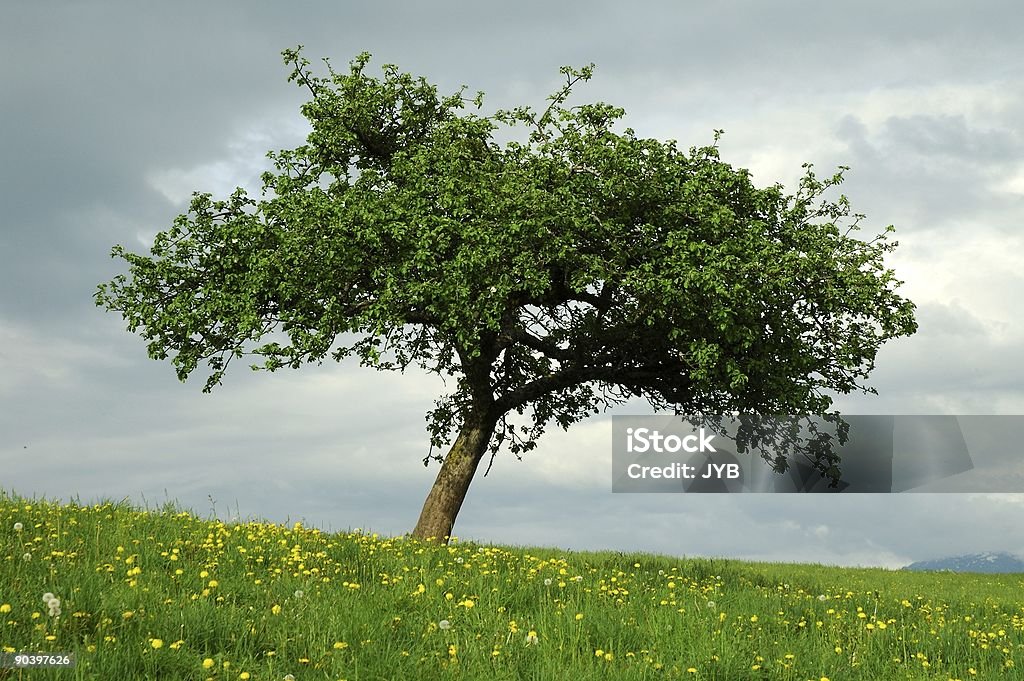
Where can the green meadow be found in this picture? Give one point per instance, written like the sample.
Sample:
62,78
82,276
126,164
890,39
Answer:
166,594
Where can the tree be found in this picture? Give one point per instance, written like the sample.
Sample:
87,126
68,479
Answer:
553,276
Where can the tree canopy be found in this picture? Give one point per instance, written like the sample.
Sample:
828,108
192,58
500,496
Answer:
553,276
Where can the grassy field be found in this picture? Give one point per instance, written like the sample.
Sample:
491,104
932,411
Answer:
168,595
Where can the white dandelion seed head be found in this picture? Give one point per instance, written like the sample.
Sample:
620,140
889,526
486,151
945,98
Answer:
47,597
822,597
547,582
444,625
299,593
27,556
711,605
289,677
18,527
460,559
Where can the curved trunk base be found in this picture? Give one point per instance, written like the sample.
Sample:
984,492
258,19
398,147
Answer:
449,491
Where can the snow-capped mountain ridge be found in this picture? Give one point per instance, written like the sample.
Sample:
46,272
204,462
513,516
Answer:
986,562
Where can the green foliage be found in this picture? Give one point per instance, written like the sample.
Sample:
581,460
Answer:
560,275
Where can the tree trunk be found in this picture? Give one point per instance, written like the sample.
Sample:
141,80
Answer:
449,491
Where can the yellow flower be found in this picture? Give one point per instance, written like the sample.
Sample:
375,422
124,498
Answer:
275,609
5,608
244,676
214,583
579,616
207,663
156,643
340,645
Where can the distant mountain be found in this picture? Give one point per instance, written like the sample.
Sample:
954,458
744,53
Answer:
990,563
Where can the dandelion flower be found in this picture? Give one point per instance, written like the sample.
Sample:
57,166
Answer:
5,608
531,638
275,609
156,643
208,663
244,676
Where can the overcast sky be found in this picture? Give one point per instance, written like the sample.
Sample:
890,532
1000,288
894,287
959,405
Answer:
113,114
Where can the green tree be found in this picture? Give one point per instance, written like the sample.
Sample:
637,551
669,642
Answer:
553,276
